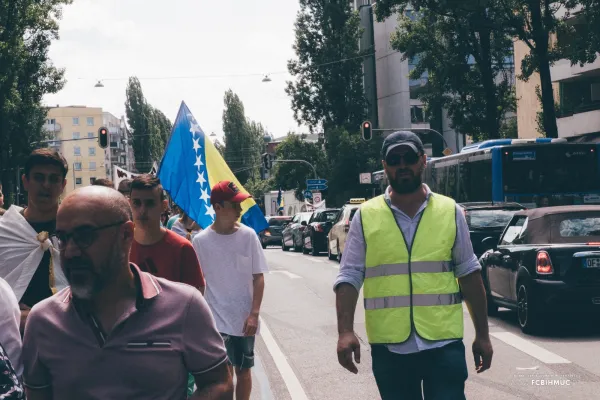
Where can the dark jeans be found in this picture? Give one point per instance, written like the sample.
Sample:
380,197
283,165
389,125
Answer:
441,371
240,350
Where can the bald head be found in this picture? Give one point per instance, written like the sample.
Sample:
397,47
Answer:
104,203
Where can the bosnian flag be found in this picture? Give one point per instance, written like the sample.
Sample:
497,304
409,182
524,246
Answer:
191,166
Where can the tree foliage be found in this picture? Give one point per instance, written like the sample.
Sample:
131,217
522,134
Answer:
150,128
243,139
531,21
258,188
293,175
579,39
326,92
466,64
27,29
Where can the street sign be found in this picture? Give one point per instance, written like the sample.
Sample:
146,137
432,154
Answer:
365,178
316,187
308,194
447,151
316,181
317,198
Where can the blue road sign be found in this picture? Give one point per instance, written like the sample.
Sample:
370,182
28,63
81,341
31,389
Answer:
308,194
316,187
316,182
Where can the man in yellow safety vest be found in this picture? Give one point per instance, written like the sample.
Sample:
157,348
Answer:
411,249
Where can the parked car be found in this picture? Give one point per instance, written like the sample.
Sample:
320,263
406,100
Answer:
273,234
488,220
314,237
292,233
339,231
547,261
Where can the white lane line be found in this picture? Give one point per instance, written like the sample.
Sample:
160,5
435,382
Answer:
287,373
287,273
292,254
530,348
317,261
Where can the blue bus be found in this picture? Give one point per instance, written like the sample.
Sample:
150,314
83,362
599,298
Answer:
533,172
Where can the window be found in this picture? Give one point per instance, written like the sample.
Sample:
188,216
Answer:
92,180
513,231
92,151
481,219
416,114
75,120
75,135
90,121
92,165
78,181
296,219
580,227
77,150
329,216
90,135
77,166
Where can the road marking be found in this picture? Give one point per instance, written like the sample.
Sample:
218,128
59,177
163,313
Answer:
292,254
317,261
287,273
287,373
530,348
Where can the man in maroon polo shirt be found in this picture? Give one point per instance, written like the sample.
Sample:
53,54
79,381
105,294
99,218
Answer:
118,332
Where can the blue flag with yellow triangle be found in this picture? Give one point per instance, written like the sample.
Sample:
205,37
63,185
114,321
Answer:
191,166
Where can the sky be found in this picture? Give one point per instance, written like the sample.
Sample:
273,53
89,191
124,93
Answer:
217,45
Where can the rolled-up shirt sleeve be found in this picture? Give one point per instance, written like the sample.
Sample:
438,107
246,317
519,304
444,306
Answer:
352,268
463,257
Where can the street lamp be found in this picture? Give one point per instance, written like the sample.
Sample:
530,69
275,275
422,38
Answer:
266,79
99,84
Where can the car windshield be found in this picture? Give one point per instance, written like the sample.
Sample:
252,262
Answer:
305,216
352,212
330,215
580,227
481,219
278,222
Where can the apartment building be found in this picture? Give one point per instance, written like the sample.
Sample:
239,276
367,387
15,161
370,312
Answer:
576,92
75,129
120,151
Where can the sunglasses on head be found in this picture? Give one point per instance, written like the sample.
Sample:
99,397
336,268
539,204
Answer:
410,158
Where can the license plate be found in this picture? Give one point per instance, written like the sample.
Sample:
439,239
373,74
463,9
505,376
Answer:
591,263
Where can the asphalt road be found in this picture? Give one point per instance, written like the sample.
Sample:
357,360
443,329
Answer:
296,358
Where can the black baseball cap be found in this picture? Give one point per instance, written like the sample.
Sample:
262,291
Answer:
402,138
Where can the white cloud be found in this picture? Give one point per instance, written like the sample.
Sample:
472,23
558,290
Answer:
104,39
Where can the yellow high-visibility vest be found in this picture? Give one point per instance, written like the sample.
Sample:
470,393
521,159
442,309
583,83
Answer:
405,288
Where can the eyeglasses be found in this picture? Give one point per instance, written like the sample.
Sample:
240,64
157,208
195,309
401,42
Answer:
83,237
410,158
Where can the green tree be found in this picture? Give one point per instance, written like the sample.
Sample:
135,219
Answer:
258,188
326,92
465,61
349,156
150,128
243,139
579,39
27,28
290,176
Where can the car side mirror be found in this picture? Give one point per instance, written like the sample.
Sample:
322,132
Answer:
490,243
303,223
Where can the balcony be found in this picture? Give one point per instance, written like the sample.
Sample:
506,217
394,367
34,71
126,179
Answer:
579,124
562,70
52,127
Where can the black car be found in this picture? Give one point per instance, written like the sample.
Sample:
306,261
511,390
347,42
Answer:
487,220
547,261
314,237
273,234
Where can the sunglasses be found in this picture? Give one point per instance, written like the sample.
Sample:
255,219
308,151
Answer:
410,158
83,237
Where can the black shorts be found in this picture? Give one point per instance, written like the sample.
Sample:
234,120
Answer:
240,350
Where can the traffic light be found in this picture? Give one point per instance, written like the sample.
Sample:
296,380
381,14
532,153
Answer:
103,137
367,130
268,161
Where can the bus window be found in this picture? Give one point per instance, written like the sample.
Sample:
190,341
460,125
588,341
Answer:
480,173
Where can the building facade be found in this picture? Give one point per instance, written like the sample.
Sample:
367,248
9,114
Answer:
120,151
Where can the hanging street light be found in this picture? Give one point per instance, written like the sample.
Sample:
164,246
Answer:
99,84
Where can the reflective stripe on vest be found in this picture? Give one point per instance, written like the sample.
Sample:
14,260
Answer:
403,288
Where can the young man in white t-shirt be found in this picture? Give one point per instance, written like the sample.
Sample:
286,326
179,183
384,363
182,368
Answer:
233,262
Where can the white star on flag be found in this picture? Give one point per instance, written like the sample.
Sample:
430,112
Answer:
197,144
205,197
194,127
210,211
199,162
201,179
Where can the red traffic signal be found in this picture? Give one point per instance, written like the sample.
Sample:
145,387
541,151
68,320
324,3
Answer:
103,137
367,130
